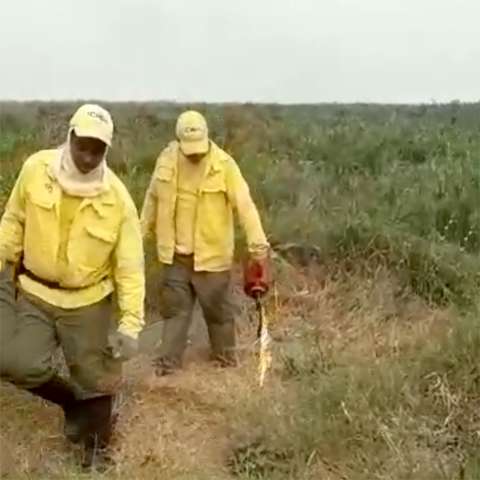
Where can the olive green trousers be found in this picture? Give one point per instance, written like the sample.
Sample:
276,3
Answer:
181,286
31,332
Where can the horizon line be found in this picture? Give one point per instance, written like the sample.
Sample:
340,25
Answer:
432,102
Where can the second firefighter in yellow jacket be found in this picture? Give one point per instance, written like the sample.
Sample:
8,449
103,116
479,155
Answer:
189,209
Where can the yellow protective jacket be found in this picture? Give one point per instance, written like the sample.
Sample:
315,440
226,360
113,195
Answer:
104,251
222,190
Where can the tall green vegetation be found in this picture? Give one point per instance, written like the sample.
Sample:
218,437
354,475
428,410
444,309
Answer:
395,185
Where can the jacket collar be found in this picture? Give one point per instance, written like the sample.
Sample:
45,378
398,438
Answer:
213,158
100,203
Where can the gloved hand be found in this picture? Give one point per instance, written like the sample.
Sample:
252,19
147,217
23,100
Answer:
256,277
123,346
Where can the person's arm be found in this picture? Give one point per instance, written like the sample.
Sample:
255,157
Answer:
13,222
148,216
239,196
149,209
129,274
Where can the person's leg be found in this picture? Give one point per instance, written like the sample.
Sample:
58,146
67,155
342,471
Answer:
83,335
59,391
214,294
96,375
8,316
176,307
100,424
28,358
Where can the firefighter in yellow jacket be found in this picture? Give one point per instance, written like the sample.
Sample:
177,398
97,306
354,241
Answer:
188,208
71,233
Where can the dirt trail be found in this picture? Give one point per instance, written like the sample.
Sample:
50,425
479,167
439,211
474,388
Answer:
167,426
179,423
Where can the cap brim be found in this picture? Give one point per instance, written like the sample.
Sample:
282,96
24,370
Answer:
197,147
92,133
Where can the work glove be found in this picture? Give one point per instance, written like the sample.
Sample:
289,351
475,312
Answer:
256,277
123,346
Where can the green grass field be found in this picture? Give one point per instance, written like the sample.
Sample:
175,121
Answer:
374,214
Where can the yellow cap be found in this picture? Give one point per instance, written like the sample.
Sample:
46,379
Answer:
93,121
192,133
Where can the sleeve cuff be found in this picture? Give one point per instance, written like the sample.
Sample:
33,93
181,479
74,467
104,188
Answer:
259,252
130,326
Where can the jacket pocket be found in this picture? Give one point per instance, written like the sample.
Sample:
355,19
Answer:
95,251
41,232
164,185
213,213
215,184
164,174
45,202
106,236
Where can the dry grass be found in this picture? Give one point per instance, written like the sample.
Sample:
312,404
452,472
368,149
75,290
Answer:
191,426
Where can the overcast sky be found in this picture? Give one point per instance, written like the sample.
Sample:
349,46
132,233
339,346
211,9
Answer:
241,50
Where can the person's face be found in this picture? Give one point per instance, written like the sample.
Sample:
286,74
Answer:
87,153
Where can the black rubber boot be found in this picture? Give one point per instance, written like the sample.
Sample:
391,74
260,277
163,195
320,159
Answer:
58,391
99,431
75,422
